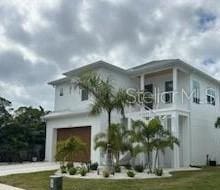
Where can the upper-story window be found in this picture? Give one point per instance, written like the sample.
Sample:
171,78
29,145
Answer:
196,92
210,94
70,89
84,94
61,91
169,92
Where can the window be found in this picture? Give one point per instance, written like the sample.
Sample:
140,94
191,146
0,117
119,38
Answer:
169,92
70,89
84,94
196,92
148,89
61,91
210,94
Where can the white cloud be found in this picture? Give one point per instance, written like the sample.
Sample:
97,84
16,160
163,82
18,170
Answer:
64,34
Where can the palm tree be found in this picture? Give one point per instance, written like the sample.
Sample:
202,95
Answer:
150,136
163,139
119,144
135,137
67,149
105,98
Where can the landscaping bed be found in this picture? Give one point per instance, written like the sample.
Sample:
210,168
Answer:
207,178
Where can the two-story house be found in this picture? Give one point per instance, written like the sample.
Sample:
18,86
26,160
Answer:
186,100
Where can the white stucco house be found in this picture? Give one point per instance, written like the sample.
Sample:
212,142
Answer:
190,116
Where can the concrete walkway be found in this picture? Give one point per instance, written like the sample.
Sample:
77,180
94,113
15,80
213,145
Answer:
24,168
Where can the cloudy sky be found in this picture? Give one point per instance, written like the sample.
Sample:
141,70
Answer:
40,39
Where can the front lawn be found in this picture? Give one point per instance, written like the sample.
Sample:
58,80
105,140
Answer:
208,178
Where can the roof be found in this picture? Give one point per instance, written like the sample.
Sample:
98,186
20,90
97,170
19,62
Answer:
59,81
147,67
65,113
97,64
92,66
151,66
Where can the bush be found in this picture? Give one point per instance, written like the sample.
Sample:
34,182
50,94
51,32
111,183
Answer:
94,166
127,166
69,165
117,169
72,171
83,171
130,173
158,172
139,168
63,170
105,173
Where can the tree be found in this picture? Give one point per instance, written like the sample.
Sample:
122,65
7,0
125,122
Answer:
67,149
105,99
119,144
5,116
147,137
22,133
163,139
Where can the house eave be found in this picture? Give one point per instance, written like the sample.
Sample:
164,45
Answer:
63,114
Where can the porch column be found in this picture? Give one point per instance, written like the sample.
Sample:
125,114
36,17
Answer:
175,132
175,87
142,87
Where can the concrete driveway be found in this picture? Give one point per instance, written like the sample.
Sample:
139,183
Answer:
24,168
27,168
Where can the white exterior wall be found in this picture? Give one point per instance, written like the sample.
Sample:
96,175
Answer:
68,122
202,138
205,138
72,101
183,86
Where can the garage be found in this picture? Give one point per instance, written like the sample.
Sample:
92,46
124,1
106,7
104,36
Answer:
84,133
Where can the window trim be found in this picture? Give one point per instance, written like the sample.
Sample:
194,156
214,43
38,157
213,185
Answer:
61,93
197,94
84,98
211,97
168,93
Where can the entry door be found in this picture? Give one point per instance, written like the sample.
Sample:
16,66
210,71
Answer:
149,89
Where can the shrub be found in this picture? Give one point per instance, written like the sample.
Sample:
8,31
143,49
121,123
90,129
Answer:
88,166
158,172
127,166
130,173
83,171
139,168
69,165
63,170
105,173
72,171
94,166
117,169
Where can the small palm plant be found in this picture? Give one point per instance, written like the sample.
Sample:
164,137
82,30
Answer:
147,137
116,135
67,149
163,139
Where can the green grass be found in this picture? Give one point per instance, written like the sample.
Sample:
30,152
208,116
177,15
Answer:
206,179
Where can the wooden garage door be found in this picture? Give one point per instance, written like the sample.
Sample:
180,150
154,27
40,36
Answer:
84,133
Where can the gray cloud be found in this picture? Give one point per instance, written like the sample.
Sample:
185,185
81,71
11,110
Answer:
126,33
